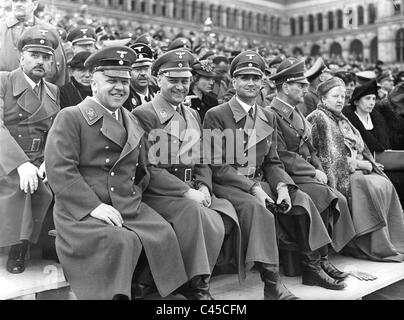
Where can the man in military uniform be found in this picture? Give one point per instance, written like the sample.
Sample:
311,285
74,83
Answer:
11,29
96,160
181,188
79,86
141,90
82,39
27,106
301,163
317,74
180,43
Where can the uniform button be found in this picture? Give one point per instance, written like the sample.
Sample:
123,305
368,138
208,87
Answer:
133,178
176,169
58,63
133,193
197,108
20,114
19,136
137,164
106,147
112,174
107,160
245,154
112,189
240,129
51,118
101,129
244,142
140,146
297,135
175,141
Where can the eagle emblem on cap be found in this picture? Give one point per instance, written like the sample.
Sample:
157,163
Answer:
180,54
138,48
84,31
42,41
122,54
140,56
163,114
250,56
43,32
184,41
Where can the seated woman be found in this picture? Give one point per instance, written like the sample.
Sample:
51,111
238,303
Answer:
380,127
200,93
350,167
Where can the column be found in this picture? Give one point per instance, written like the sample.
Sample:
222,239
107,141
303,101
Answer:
325,21
188,10
138,6
170,8
224,17
239,21
149,7
305,24
158,7
127,5
365,14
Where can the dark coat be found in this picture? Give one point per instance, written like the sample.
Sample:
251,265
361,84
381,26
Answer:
91,159
376,139
253,153
134,99
311,100
71,94
207,102
200,230
300,160
10,56
23,117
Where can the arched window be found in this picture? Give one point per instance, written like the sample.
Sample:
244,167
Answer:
372,13
319,22
340,18
335,50
272,25
193,10
301,25
397,7
330,20
400,45
360,15
266,24
244,20
315,50
311,23
229,20
250,21
356,50
258,22
219,14
277,26
292,26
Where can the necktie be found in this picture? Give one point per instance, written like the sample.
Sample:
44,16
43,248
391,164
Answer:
249,121
114,115
36,90
251,113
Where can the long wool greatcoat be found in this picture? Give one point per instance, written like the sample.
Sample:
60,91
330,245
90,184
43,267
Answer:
301,161
23,118
91,159
200,230
10,56
257,223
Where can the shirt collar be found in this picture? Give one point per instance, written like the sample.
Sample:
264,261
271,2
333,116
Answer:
368,124
109,111
244,105
284,102
31,82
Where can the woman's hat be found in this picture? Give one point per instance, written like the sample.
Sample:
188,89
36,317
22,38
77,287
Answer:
329,84
369,87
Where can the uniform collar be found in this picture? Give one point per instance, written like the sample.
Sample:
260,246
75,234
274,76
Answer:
11,21
245,106
112,113
31,82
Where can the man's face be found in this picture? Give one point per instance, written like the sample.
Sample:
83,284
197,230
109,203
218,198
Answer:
88,47
387,85
82,76
141,76
112,92
296,91
35,64
222,67
24,9
247,86
174,90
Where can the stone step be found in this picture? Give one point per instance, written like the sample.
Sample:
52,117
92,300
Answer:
44,279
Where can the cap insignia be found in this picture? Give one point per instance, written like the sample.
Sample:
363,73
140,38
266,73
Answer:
180,65
180,54
122,54
250,56
43,32
120,62
250,65
184,41
140,56
42,41
138,48
163,114
84,31
207,65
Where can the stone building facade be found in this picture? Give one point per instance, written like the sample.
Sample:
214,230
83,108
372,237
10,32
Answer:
364,30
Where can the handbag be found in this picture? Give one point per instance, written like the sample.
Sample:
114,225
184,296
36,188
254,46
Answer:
392,160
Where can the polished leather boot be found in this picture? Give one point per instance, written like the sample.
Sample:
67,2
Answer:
331,270
197,288
314,275
16,257
274,289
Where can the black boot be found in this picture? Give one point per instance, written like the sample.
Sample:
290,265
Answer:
274,289
16,257
329,268
314,275
197,288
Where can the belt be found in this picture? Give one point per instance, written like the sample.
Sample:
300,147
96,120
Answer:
183,173
29,144
250,172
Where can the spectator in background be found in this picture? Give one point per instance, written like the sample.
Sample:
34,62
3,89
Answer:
11,29
386,82
82,39
222,79
79,86
350,80
200,92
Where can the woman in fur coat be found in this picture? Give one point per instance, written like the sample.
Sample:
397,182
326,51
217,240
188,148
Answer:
350,167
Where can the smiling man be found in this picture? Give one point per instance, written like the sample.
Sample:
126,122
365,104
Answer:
96,158
28,105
